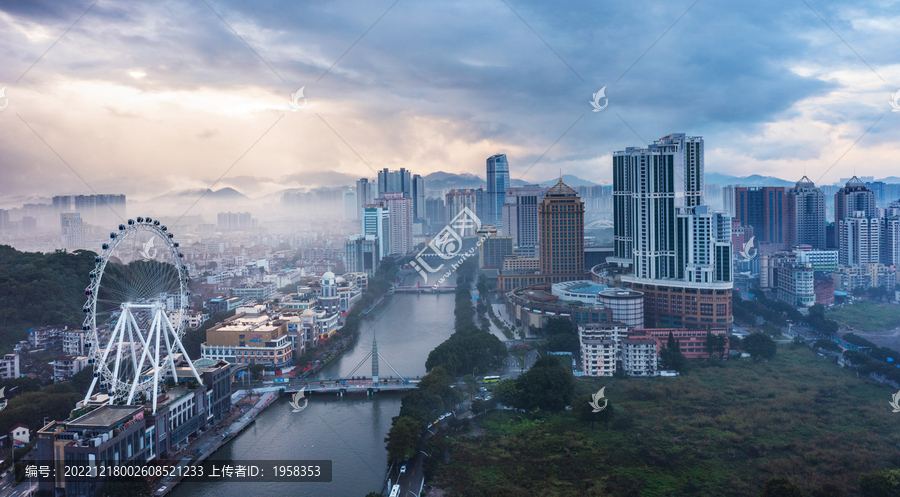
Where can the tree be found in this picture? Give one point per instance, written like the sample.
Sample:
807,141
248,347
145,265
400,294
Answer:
547,385
828,490
721,340
759,346
673,344
674,359
583,410
556,326
564,342
881,484
403,438
507,393
827,345
781,487
256,370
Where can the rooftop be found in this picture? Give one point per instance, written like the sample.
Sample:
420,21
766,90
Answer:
560,190
105,417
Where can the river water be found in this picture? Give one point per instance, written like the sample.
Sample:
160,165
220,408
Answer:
349,431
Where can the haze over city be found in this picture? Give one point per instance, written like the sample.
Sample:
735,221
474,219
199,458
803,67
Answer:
147,98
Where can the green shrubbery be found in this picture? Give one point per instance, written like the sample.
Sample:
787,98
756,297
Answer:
719,431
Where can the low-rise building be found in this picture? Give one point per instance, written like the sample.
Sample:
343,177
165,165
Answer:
258,291
691,342
223,304
44,336
67,366
9,366
848,278
535,305
600,345
180,413
246,339
73,342
824,288
19,432
216,376
104,435
517,264
639,357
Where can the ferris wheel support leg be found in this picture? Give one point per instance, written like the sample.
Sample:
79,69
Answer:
181,348
90,390
156,362
165,326
144,355
120,333
102,363
136,365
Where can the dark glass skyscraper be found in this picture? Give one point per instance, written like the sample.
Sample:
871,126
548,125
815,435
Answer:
497,183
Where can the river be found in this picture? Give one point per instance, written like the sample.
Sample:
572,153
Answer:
349,431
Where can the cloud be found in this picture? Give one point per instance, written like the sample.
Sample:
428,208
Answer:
145,97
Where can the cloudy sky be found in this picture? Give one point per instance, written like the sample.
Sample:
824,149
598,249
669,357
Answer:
148,97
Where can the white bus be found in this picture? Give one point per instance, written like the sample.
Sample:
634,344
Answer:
395,492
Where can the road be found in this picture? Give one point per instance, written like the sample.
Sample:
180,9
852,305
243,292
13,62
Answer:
22,490
412,481
530,358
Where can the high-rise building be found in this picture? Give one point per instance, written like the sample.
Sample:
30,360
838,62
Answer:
435,213
648,184
376,221
361,254
400,216
493,248
497,183
98,210
365,193
351,213
704,245
520,218
860,239
806,215
561,224
417,193
457,200
728,199
236,221
394,181
480,202
853,197
72,230
677,250
890,251
764,208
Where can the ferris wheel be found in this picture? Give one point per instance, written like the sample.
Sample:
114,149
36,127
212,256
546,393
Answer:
135,312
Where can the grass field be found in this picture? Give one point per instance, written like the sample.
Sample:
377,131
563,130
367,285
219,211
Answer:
719,430
867,316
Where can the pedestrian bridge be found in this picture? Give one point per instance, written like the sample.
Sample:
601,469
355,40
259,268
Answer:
365,385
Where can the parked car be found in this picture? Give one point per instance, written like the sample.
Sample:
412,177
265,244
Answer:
403,469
